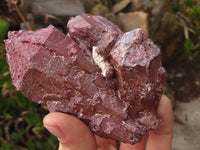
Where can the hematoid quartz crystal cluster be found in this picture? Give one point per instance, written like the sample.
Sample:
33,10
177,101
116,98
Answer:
111,80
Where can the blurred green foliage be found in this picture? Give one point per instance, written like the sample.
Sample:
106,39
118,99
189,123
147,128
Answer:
190,3
195,12
188,13
189,46
21,126
4,26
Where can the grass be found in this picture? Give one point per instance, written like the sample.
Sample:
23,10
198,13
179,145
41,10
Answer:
21,125
188,14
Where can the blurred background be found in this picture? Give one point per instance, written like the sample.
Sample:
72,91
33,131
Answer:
174,25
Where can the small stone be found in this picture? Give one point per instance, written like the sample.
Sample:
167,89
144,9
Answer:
88,4
132,20
120,5
61,9
135,2
100,10
153,7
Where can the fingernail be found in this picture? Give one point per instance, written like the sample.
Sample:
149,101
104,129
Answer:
57,132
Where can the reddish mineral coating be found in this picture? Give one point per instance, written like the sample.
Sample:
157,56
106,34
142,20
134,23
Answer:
59,71
102,33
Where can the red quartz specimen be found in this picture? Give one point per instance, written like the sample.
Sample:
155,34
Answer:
64,73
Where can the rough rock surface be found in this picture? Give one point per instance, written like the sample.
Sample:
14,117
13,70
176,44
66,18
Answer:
65,73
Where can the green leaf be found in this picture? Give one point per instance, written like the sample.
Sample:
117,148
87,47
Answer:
4,26
52,143
198,30
190,3
195,12
4,66
23,131
34,119
188,46
15,137
196,53
1,133
40,146
175,9
31,146
6,146
38,129
8,116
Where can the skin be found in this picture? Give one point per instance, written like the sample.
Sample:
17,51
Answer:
75,135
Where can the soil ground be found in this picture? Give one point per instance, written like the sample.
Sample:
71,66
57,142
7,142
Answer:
184,90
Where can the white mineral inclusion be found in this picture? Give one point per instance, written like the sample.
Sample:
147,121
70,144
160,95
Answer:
100,61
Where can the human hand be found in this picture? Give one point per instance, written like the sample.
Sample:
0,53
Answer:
75,135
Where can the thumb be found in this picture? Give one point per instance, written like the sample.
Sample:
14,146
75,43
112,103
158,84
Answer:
71,132
161,138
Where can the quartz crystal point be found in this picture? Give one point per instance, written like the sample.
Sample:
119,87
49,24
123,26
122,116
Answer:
111,81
